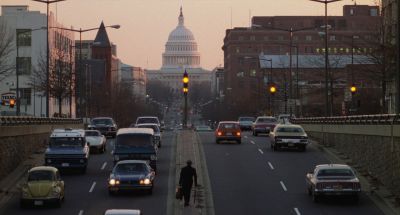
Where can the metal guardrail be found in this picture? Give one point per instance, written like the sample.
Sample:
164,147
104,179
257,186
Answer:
383,119
27,120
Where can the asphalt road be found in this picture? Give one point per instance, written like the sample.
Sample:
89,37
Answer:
251,179
88,195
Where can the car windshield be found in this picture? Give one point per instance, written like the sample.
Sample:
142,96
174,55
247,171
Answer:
41,175
130,168
66,142
102,122
335,173
290,130
154,127
92,133
228,126
246,119
147,120
266,120
133,140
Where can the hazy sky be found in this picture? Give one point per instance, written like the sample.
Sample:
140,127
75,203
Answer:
146,24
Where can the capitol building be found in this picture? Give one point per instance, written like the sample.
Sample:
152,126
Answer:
181,53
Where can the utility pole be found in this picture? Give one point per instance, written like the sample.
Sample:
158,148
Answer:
185,81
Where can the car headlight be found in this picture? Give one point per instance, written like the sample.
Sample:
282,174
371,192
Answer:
113,182
55,192
116,158
145,181
153,157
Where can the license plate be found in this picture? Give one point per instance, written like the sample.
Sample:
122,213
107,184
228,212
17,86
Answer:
65,164
228,134
38,203
290,144
337,187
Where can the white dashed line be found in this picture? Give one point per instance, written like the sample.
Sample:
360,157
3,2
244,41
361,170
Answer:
261,151
297,211
80,212
252,142
246,137
104,166
112,152
283,186
92,187
270,165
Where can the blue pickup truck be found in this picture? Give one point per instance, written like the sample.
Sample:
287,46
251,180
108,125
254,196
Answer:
136,144
68,149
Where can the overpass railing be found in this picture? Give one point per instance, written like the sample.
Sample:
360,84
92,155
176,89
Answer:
381,119
27,120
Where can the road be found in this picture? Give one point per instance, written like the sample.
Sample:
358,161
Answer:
251,179
88,194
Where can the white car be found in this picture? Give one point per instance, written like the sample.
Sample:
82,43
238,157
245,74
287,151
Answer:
122,212
156,129
96,140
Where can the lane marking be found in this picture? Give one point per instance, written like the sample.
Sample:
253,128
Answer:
283,186
92,187
252,142
270,165
261,151
104,166
80,212
112,152
246,137
297,211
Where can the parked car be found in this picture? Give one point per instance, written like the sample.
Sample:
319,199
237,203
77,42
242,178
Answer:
264,124
43,186
156,129
106,125
202,128
228,131
333,180
135,144
289,136
131,175
68,149
122,212
148,119
96,140
246,122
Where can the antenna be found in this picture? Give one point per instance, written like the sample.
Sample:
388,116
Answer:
231,18
249,18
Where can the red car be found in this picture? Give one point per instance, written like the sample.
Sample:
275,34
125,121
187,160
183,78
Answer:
264,124
228,131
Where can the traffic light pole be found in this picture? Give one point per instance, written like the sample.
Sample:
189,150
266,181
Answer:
185,114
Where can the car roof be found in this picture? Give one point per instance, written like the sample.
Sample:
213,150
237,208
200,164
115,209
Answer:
266,117
147,124
44,168
67,132
289,125
103,117
148,131
122,212
132,161
333,166
147,117
228,122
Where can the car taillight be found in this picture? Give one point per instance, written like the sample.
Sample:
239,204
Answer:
238,133
219,133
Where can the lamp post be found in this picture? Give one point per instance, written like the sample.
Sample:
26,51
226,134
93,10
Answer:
80,31
328,112
18,33
47,2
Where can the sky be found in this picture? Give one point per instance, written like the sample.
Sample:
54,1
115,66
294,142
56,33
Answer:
146,24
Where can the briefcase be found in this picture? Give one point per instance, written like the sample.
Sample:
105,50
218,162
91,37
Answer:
179,193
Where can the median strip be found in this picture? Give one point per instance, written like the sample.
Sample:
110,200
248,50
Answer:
92,187
283,186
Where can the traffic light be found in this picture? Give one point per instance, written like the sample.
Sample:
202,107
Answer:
12,103
353,89
272,89
185,81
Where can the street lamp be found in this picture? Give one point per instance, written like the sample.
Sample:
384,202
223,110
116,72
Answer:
18,33
47,2
326,2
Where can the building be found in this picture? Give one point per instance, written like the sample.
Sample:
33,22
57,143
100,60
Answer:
181,53
32,51
218,82
286,37
136,79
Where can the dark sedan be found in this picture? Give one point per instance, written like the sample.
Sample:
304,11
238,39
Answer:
106,125
129,175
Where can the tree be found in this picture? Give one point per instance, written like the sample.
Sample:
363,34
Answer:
159,91
6,48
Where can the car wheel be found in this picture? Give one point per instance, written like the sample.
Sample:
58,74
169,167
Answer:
111,193
309,191
275,147
255,134
159,145
104,148
83,170
23,204
58,203
302,148
150,191
239,142
356,199
315,198
217,141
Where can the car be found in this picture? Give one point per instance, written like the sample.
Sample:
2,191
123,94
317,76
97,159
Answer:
122,212
228,131
289,136
246,122
106,125
131,175
96,140
156,129
285,118
202,128
333,180
135,144
68,149
148,119
263,124
43,186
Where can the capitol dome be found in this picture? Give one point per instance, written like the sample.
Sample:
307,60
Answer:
181,48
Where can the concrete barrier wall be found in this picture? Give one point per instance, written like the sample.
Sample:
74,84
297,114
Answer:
374,149
17,143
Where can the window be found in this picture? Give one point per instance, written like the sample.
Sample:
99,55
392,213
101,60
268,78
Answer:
280,38
253,72
24,37
25,96
266,38
252,38
241,38
237,50
332,38
295,38
373,12
308,37
25,65
352,11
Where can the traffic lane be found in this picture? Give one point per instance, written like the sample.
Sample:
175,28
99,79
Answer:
149,204
240,181
291,166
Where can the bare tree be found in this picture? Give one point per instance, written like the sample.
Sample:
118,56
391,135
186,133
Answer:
6,48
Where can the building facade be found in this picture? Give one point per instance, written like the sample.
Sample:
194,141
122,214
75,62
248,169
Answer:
136,79
27,30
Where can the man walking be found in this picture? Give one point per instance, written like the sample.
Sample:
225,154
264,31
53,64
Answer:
188,173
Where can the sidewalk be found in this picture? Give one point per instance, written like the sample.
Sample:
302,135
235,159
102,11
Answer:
189,148
370,186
